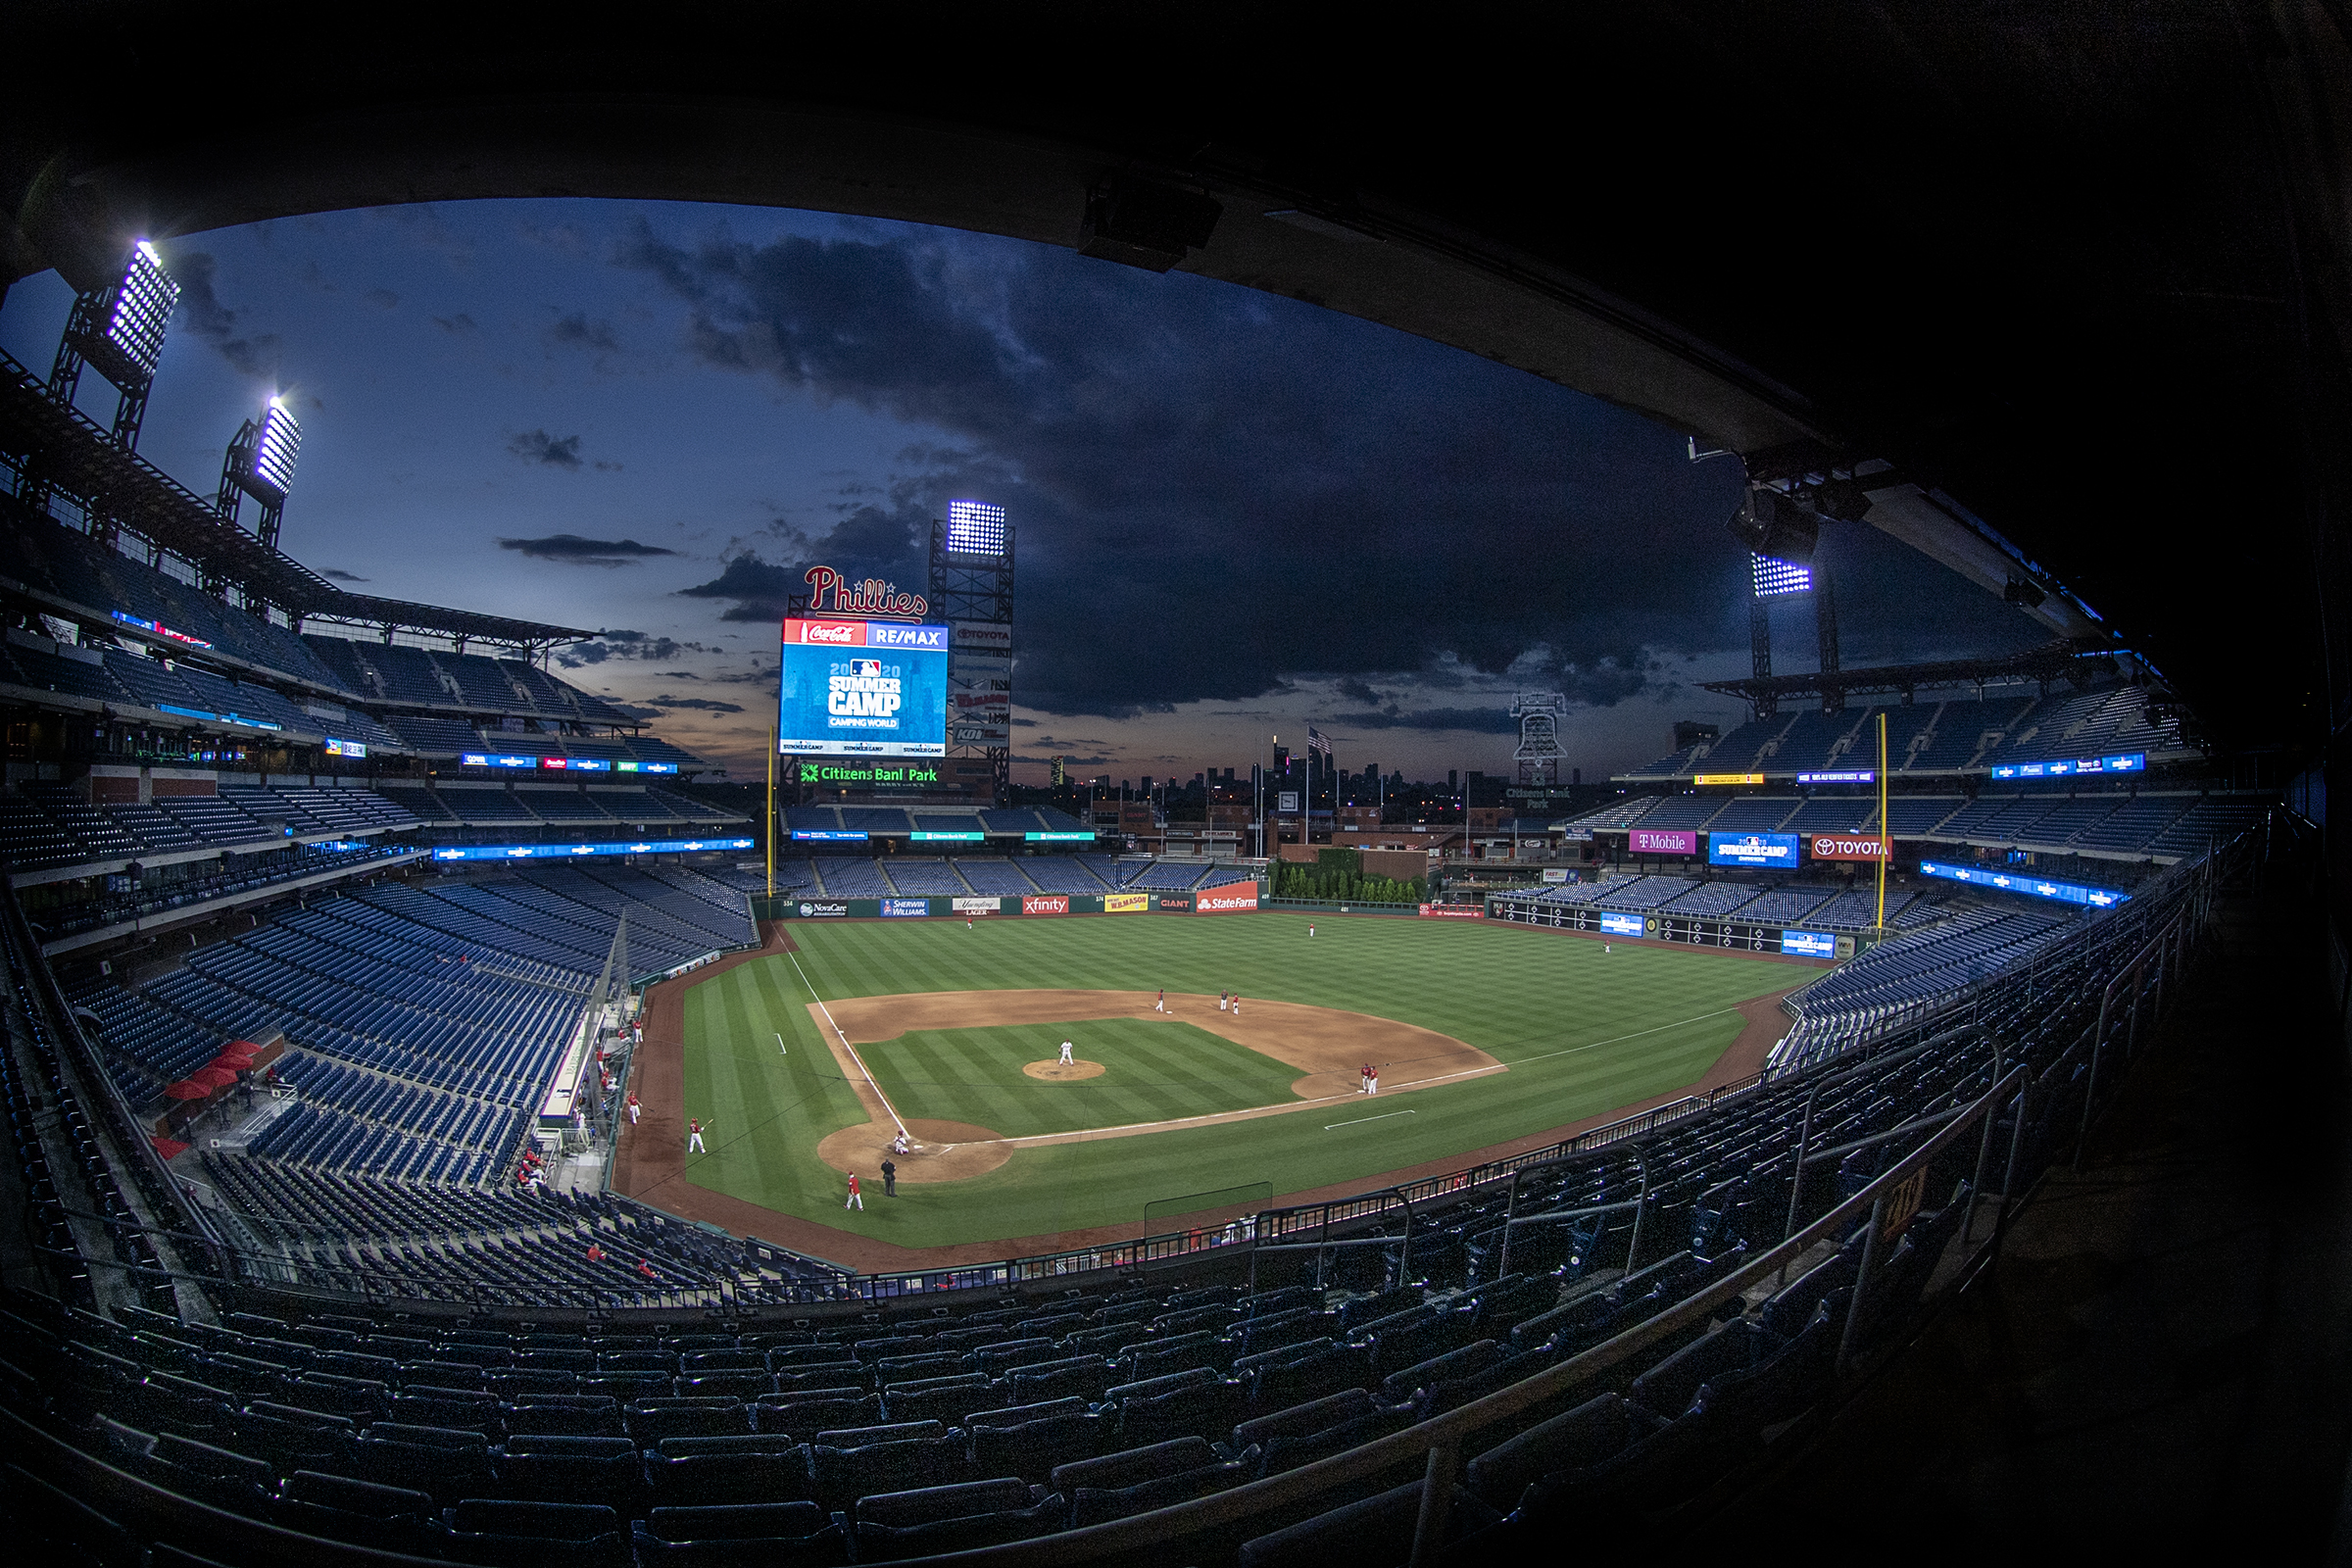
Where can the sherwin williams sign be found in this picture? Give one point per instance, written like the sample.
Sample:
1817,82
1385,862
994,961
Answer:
905,909
1050,903
1660,841
1234,898
1841,847
1125,903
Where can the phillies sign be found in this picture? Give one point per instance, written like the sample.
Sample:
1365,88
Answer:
1846,847
872,596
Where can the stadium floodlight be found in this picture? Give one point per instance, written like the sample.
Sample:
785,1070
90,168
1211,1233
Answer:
118,331
276,442
975,528
141,314
1774,577
260,463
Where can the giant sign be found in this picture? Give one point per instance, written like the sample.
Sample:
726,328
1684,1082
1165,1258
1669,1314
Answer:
871,597
1660,841
852,688
1776,849
1846,846
1234,898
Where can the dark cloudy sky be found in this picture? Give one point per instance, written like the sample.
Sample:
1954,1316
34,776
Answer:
1237,513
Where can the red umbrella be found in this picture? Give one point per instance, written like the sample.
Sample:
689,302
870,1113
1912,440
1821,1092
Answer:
187,1088
213,1077
231,1062
242,1047
169,1147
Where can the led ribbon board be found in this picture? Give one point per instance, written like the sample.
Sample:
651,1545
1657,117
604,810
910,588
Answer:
1620,925
829,835
567,851
2032,887
855,688
2070,768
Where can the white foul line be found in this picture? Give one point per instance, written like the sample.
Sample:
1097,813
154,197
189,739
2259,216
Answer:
845,1045
1361,1120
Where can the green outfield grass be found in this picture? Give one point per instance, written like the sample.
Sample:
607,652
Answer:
1583,1032
1155,1069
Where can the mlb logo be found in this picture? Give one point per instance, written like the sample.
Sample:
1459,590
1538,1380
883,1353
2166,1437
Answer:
865,666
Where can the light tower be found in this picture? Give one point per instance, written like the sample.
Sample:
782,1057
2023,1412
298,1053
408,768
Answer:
260,463
118,332
1781,534
971,588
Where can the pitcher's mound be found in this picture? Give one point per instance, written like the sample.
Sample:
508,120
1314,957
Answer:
943,1152
1060,1072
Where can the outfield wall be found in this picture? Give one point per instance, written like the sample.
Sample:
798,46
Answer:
1650,926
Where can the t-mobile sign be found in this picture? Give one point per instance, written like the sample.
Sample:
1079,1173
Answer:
1660,841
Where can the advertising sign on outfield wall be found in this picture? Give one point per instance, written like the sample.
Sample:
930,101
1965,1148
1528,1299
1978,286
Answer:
1846,846
905,909
1658,841
1234,898
1809,944
1453,911
1125,903
976,905
1620,925
1175,903
1047,904
811,909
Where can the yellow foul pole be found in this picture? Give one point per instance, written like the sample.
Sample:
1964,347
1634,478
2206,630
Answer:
1885,837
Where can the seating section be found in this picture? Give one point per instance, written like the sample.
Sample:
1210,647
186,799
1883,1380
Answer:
895,1419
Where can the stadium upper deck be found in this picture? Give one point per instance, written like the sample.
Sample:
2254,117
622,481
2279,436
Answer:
1962,736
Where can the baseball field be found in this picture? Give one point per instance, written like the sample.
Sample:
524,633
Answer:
804,1061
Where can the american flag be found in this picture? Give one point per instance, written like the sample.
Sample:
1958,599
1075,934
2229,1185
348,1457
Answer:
1317,740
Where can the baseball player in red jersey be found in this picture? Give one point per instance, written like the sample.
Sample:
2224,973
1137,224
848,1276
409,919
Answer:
857,1200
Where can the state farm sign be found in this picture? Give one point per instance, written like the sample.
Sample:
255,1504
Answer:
1232,899
1051,904
1846,847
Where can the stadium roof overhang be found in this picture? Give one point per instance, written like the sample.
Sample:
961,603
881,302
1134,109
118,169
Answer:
2069,274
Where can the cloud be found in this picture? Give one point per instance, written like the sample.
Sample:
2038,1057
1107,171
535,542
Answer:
383,299
706,704
200,311
458,326
537,446
1477,720
338,574
577,331
1404,509
571,547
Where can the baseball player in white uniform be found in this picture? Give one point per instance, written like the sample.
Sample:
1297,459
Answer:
1067,1060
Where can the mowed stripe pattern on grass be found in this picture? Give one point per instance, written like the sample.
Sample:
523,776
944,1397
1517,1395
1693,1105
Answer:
1155,1069
1529,998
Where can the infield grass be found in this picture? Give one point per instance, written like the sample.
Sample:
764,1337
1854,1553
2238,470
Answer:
1155,1070
1581,1031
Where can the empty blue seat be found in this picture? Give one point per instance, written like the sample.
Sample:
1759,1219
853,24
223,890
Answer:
771,1535
496,1533
953,1518
361,1512
695,1480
